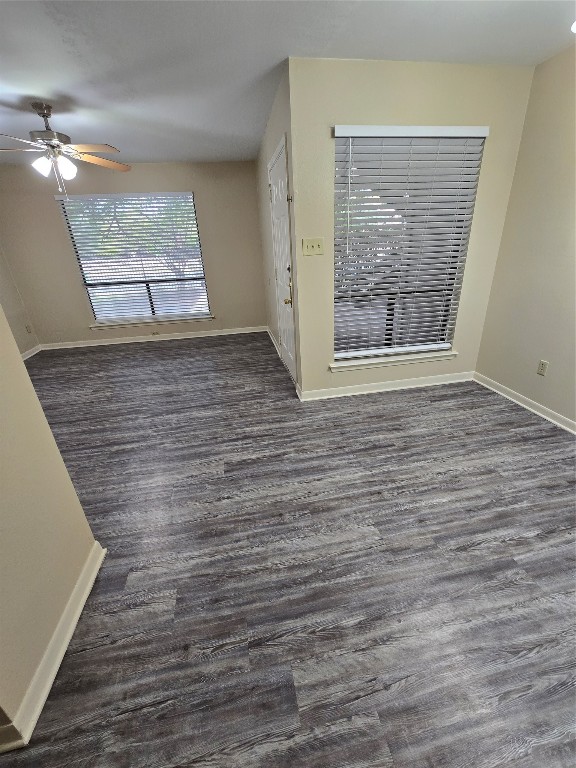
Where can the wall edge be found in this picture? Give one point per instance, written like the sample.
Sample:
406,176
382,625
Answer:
531,405
43,679
10,738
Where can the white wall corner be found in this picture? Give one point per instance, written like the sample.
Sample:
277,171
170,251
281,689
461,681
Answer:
525,402
39,688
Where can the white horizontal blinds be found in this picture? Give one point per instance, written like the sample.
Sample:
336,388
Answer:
403,210
140,255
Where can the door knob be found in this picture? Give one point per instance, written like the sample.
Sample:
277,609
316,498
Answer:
287,301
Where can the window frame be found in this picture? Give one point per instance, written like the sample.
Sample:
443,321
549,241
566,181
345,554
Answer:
364,358
153,318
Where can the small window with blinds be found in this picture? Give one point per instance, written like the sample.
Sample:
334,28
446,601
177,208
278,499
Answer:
403,211
139,255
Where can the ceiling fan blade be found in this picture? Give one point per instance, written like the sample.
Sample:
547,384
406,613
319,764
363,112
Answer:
17,149
7,136
104,148
104,162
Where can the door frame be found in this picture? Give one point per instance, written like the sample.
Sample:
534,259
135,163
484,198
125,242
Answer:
283,146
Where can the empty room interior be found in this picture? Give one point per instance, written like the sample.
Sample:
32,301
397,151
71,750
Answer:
287,375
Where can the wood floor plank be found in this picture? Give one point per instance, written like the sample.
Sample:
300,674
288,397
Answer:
384,581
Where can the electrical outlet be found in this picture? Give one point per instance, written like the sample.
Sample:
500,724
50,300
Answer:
542,369
313,246
28,328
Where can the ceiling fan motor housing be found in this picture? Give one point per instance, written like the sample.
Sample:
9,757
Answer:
51,137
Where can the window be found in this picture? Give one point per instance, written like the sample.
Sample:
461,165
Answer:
139,255
403,211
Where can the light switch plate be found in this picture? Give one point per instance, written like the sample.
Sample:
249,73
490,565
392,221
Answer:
313,246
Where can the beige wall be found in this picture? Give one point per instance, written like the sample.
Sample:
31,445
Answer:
42,261
531,314
14,309
45,539
325,92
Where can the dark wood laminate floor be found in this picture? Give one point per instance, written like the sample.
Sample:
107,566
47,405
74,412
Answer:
381,581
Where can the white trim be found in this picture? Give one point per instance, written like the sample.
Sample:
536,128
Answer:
275,157
525,402
124,194
380,131
407,349
279,353
157,320
282,148
31,352
156,337
377,362
276,345
10,738
384,386
39,688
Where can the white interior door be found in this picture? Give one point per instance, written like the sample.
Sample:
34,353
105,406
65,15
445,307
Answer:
280,212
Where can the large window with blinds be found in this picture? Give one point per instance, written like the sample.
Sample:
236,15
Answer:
404,200
139,255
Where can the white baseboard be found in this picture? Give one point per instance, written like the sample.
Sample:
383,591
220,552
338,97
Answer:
137,339
525,402
10,738
383,386
273,340
30,352
279,353
31,707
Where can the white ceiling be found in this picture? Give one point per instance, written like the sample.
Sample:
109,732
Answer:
195,79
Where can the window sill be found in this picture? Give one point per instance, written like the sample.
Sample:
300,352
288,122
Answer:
101,324
358,364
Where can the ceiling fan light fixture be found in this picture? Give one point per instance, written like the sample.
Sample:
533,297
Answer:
66,167
56,150
43,165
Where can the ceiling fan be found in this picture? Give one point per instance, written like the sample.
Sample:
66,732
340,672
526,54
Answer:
58,152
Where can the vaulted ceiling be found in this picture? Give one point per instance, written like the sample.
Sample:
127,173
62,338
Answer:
194,80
